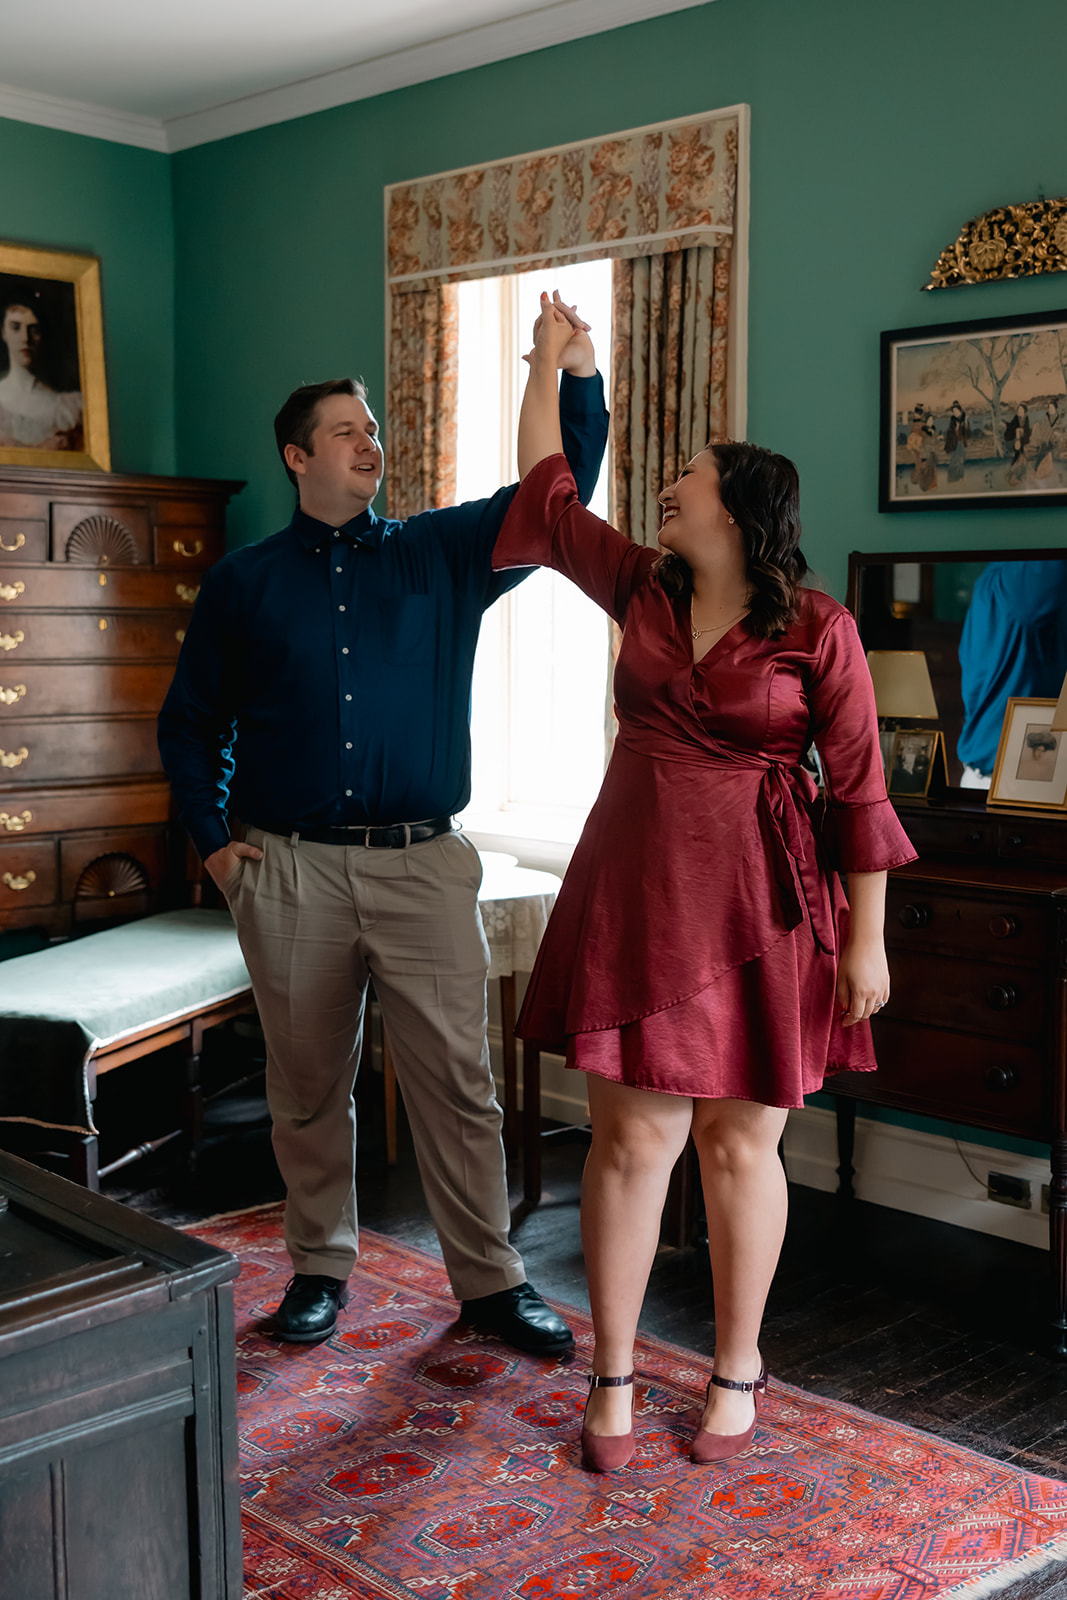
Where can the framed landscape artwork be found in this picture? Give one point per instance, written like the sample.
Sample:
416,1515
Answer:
53,395
975,414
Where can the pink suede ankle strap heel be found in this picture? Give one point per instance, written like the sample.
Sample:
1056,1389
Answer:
708,1448
606,1452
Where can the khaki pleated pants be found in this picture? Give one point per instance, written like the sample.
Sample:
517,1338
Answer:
317,922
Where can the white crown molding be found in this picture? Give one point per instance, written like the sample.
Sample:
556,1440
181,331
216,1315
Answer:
76,116
439,58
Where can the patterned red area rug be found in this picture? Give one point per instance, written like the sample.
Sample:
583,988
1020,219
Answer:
412,1459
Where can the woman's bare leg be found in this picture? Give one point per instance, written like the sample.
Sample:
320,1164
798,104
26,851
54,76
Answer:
637,1138
745,1199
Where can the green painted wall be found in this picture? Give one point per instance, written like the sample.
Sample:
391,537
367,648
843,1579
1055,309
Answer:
67,192
877,131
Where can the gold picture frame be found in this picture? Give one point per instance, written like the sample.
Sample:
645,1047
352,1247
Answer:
53,391
1031,768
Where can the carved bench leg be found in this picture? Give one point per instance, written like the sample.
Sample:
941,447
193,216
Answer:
84,1162
193,1101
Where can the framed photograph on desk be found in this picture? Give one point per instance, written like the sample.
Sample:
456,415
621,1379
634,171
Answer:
1031,767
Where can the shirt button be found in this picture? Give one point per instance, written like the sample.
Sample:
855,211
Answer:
348,746
348,791
336,534
338,569
348,697
344,649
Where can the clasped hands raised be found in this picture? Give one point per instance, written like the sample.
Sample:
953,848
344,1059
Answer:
562,339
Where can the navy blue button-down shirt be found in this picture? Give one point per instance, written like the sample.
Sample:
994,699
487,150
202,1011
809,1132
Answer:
325,676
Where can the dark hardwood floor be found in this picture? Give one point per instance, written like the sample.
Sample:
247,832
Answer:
931,1325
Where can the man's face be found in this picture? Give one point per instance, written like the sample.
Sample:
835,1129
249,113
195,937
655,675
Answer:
21,333
345,464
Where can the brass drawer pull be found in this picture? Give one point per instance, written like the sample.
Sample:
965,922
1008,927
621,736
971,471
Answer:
186,593
13,758
102,624
11,641
913,916
1003,996
8,697
183,549
15,824
1001,1078
11,591
22,881
1004,927
20,540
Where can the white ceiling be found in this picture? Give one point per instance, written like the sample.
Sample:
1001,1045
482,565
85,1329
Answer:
169,76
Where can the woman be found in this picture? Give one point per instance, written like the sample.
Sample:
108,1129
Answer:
1017,438
1044,441
33,415
922,442
956,436
691,965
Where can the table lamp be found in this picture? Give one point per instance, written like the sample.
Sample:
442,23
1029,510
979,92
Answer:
902,687
1059,716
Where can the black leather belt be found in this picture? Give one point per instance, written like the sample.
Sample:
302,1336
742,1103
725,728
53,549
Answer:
393,836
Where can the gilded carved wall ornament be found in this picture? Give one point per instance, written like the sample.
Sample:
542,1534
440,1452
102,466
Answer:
1007,242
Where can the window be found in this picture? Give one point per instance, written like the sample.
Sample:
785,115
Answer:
540,680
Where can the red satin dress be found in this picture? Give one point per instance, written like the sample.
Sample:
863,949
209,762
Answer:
693,945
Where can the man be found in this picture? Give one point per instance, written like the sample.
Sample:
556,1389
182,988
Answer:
323,694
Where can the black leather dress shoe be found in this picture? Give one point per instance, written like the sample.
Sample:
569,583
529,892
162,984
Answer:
520,1318
308,1312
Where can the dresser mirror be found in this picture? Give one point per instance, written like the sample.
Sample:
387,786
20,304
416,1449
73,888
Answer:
920,601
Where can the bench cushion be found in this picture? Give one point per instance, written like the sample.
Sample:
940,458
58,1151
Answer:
59,1006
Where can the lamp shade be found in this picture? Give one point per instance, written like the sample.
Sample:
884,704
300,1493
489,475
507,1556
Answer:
1059,716
902,686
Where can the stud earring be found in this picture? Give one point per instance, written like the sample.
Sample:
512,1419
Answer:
731,522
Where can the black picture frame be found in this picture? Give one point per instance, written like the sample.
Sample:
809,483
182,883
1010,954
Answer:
974,414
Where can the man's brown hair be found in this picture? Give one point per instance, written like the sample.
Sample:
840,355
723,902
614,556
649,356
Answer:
297,420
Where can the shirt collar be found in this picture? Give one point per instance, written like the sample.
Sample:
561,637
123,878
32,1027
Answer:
366,529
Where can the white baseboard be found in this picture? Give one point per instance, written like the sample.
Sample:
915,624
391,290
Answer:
923,1173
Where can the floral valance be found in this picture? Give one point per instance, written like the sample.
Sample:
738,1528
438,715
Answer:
646,192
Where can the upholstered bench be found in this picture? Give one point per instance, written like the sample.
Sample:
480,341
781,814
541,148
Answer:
77,1010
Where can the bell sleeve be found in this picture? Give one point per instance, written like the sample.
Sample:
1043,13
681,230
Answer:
863,825
547,526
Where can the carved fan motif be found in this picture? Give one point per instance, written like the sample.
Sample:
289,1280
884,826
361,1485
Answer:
111,875
102,542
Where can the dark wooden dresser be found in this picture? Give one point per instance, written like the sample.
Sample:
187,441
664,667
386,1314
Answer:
976,1028
98,572
118,1429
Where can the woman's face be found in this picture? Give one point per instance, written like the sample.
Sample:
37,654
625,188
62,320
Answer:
21,333
1020,412
694,517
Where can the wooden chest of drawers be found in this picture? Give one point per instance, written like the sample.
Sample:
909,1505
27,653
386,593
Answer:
98,575
976,1028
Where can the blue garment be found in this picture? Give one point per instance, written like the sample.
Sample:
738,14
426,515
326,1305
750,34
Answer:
1014,642
325,677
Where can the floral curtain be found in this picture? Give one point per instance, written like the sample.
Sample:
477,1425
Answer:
666,191
420,439
669,373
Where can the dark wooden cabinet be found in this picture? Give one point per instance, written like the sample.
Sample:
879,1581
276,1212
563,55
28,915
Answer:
98,574
118,1434
976,1029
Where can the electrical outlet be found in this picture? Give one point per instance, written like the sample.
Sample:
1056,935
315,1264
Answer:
1008,1190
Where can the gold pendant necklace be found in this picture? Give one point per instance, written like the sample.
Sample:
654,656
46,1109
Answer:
715,627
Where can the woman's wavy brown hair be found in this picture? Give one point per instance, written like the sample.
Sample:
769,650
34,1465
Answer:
761,491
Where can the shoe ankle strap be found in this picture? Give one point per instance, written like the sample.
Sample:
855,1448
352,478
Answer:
597,1382
744,1388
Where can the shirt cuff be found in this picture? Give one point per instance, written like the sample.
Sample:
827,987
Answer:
581,396
208,833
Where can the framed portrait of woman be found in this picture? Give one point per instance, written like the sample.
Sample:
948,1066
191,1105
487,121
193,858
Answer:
53,394
1031,767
